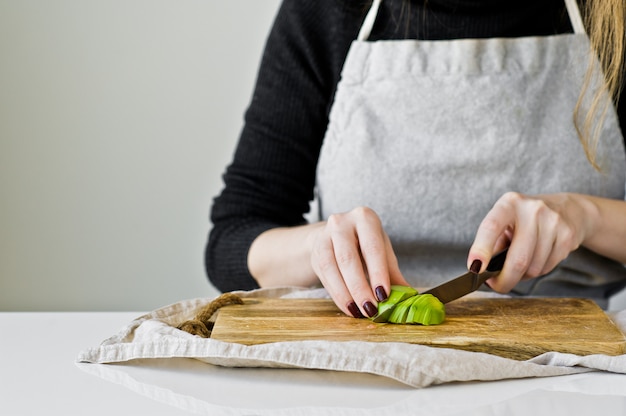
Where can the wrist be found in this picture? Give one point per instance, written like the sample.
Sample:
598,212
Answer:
312,234
590,216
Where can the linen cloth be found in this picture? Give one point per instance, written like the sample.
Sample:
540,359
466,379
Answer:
154,335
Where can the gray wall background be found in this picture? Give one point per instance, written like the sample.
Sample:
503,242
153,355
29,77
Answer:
117,119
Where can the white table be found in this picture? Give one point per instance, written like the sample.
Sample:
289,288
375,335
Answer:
39,376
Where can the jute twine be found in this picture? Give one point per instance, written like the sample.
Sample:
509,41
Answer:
201,325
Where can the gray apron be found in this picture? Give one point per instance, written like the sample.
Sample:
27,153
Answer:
430,134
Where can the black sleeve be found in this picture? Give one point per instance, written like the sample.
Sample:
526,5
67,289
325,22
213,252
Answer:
271,179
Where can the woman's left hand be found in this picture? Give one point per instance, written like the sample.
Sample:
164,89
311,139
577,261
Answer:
539,230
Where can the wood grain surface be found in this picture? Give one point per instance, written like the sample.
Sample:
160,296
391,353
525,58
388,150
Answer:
517,328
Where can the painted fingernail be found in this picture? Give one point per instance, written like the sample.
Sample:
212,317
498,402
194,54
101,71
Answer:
354,310
370,309
380,293
476,265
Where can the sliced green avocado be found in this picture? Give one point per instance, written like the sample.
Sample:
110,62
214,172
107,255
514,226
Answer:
406,306
400,312
398,294
426,310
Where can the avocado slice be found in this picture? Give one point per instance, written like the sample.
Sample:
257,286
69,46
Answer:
398,294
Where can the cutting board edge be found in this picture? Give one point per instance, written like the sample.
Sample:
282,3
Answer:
615,347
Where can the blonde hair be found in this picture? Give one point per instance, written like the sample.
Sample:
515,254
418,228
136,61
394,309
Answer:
604,20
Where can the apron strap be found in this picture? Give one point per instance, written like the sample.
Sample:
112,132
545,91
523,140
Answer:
574,16
368,23
572,10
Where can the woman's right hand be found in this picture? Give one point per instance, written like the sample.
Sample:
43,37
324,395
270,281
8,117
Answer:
353,258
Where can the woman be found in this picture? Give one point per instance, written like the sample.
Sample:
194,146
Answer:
426,129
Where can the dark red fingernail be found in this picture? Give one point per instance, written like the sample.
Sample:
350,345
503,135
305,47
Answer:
380,293
354,310
476,265
370,309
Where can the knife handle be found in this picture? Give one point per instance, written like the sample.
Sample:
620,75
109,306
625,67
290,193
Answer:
497,262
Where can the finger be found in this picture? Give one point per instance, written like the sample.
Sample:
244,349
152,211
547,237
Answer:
515,266
350,263
356,282
561,249
547,222
521,249
325,266
395,275
374,249
503,241
494,226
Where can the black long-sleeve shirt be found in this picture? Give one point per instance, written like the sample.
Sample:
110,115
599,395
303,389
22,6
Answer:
272,176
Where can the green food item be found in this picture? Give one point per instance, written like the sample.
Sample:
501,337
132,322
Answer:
398,294
419,309
400,312
406,306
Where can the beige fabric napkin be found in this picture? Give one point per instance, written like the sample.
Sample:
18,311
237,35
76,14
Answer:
155,335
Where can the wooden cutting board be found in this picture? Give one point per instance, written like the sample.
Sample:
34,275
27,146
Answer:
517,328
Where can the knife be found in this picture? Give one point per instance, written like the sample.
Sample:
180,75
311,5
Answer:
469,282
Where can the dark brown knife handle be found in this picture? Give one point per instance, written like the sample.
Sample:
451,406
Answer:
497,262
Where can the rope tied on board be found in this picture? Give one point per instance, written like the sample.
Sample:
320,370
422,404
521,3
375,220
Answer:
201,325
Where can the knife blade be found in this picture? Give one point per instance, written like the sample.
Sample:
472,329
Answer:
469,282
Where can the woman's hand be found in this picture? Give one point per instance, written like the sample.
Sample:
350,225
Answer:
352,257
540,231
350,254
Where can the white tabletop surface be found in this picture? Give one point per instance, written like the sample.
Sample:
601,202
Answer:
39,376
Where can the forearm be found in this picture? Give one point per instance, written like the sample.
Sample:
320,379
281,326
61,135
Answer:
607,233
282,256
